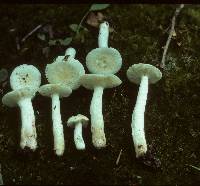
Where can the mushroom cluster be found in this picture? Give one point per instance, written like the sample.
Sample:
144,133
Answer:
63,76
142,74
25,81
103,63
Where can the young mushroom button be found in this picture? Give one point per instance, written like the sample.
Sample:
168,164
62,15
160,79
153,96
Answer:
141,74
98,82
25,81
77,122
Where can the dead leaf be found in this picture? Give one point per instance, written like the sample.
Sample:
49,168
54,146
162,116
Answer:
92,20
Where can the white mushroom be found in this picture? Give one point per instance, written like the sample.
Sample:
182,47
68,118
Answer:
56,91
141,74
98,82
103,60
77,122
68,72
25,81
63,75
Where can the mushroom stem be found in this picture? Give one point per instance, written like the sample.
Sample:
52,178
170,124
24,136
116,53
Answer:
97,123
70,52
78,139
103,35
28,130
138,119
59,143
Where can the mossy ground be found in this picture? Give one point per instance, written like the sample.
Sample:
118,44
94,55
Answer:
172,117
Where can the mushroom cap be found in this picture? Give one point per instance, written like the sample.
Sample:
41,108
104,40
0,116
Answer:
25,76
136,71
104,61
11,99
73,120
68,73
50,89
90,81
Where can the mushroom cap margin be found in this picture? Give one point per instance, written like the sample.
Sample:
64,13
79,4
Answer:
90,81
78,118
11,99
50,89
136,71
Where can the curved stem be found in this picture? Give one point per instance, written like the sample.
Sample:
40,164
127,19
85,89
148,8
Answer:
59,142
28,130
138,119
78,138
80,24
103,35
97,123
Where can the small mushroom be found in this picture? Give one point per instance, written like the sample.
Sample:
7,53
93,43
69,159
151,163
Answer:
77,122
103,60
25,81
98,82
56,91
142,74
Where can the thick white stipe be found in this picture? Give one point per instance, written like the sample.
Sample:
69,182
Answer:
137,124
59,142
28,130
97,122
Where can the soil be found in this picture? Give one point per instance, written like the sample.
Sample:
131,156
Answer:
172,116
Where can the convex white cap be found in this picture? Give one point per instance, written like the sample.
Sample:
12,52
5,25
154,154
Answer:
25,76
73,120
136,71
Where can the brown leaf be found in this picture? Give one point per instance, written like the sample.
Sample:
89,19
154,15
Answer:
92,20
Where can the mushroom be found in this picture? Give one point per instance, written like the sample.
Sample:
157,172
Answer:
63,76
68,72
77,122
103,60
25,81
56,91
141,74
98,82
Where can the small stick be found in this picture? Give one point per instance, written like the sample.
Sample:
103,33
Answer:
30,33
118,158
197,168
176,13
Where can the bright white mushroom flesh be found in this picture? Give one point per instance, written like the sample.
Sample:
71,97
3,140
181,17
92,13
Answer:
103,60
98,82
78,122
68,72
56,91
142,74
25,81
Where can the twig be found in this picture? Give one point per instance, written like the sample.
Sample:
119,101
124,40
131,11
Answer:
30,33
118,158
176,13
197,168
